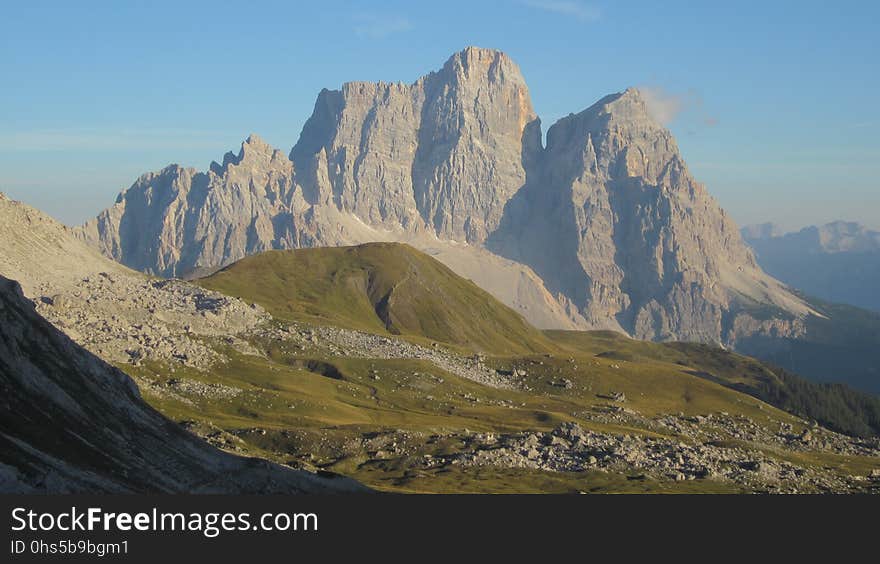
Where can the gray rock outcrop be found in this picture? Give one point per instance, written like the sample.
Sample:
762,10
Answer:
179,219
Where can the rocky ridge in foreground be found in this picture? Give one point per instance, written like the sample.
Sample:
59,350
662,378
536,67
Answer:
72,423
117,313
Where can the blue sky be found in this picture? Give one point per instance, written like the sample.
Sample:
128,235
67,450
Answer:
774,104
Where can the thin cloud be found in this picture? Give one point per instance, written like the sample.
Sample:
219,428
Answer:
663,105
666,107
376,26
570,8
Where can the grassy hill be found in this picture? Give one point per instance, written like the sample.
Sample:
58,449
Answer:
384,288
393,289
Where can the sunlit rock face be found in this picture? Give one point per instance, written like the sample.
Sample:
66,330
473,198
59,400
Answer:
602,228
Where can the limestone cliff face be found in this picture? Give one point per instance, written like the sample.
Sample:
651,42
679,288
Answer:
614,221
605,227
441,156
178,220
444,153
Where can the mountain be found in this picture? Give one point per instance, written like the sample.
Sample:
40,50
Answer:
441,157
836,267
380,288
604,228
179,222
416,163
837,262
612,220
443,154
72,423
761,231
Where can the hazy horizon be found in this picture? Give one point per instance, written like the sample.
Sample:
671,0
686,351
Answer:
772,106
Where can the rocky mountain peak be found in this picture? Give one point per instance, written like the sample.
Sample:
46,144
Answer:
622,110
838,262
255,147
476,63
619,111
616,138
254,152
631,107
842,226
613,221
834,237
848,236
443,154
254,140
607,216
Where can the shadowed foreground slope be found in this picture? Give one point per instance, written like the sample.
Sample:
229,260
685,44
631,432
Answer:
71,423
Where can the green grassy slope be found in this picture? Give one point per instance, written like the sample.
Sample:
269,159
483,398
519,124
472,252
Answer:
836,406
378,419
290,408
391,288
384,288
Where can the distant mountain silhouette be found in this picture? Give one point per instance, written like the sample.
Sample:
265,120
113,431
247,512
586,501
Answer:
838,262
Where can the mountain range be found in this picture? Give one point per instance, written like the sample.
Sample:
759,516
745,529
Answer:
602,228
837,262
